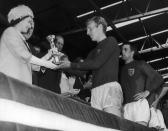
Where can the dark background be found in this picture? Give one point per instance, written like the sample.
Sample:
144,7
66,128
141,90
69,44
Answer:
60,17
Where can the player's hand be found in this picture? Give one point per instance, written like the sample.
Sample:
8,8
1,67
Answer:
141,95
51,65
64,64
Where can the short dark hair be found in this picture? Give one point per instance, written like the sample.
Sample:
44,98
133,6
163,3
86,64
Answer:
98,20
132,47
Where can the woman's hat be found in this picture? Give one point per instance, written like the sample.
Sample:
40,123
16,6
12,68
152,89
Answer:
19,12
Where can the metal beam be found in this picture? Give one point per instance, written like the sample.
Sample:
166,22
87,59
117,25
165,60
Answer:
164,46
150,13
147,33
102,8
155,12
109,21
155,48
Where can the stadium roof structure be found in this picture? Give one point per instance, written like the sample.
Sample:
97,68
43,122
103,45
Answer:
144,23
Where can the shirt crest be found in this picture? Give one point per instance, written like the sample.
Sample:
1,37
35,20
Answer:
131,71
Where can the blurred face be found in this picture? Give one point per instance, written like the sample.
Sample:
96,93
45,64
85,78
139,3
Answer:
27,27
93,31
60,43
127,54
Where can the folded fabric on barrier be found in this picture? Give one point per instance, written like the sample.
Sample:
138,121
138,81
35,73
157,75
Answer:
50,111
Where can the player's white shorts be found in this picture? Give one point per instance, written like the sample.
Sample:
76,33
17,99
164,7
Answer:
137,111
107,95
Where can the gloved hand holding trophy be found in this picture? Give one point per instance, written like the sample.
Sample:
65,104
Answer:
55,54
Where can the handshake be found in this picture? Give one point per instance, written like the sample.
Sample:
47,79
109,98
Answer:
59,59
55,60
